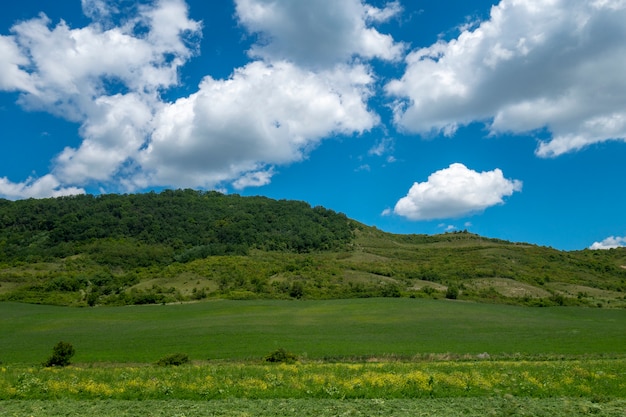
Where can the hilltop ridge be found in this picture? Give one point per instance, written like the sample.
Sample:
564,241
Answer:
188,245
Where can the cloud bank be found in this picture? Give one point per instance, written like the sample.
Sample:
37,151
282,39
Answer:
535,64
110,76
454,192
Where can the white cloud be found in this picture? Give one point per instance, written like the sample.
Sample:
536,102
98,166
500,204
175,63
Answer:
77,64
254,179
390,10
610,242
447,227
263,115
109,76
385,146
46,186
113,133
557,64
12,77
318,33
98,9
455,191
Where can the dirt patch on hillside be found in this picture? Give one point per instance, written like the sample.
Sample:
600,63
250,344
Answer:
366,277
509,287
419,284
572,290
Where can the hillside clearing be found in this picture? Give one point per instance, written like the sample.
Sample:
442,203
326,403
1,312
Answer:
509,287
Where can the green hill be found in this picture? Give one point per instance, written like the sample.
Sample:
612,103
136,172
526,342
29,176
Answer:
187,245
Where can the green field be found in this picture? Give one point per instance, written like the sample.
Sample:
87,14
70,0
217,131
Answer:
332,329
359,357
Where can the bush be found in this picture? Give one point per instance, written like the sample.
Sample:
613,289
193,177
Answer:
174,359
281,356
452,293
61,355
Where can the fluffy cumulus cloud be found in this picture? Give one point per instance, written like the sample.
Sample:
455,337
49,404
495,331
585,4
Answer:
320,32
105,77
455,191
610,242
109,77
534,64
264,115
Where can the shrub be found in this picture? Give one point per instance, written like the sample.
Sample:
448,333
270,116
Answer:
281,356
452,293
390,290
297,290
428,290
61,355
174,359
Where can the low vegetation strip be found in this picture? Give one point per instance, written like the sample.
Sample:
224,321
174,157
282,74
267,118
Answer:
599,380
465,407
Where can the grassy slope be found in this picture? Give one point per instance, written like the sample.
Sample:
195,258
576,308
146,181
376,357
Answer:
494,270
377,264
314,329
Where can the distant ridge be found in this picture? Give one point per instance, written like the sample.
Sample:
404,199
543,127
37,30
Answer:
184,245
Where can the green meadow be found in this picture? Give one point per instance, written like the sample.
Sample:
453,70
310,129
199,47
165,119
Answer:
357,357
323,329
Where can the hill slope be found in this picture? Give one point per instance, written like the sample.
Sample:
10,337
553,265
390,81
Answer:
188,245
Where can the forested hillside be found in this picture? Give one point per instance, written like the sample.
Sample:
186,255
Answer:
188,245
209,223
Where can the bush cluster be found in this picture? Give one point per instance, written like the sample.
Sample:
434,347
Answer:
175,359
281,355
61,355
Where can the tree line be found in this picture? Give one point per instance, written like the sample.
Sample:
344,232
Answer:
190,224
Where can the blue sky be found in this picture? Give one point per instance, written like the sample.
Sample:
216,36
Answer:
507,118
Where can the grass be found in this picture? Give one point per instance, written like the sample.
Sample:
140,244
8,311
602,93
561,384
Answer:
356,328
466,407
595,379
479,388
360,357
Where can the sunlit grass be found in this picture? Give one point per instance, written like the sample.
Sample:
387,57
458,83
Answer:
596,379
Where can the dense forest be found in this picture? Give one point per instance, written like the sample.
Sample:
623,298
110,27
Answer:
192,224
185,245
